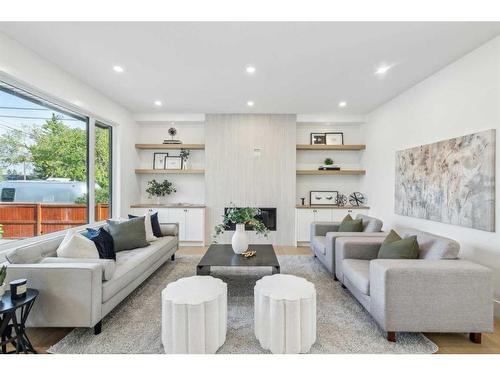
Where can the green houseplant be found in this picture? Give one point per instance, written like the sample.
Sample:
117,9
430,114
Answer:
3,275
241,216
160,189
328,161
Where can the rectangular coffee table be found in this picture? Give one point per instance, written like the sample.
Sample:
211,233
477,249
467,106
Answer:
223,255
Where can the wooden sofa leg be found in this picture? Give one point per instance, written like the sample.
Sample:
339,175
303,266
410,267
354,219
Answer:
335,278
343,286
98,328
172,258
391,336
475,337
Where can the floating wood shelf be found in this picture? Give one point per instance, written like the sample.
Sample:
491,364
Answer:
169,171
186,146
332,147
340,172
308,206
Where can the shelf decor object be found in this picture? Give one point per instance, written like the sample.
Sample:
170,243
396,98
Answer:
330,172
321,198
357,199
169,171
322,147
159,160
334,138
172,132
181,146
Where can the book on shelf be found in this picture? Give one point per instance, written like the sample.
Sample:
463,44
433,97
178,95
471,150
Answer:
332,167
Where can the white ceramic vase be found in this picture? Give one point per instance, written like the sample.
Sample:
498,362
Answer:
240,239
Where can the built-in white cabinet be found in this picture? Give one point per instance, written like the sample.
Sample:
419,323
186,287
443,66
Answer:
305,216
191,221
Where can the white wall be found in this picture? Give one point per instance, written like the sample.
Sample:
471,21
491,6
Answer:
462,98
37,75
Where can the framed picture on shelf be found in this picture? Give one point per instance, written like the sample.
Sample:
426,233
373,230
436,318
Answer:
159,160
173,162
334,138
318,139
323,198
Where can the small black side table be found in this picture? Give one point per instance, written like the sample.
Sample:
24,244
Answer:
9,323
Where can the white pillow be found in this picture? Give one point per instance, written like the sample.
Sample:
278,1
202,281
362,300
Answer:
150,237
75,245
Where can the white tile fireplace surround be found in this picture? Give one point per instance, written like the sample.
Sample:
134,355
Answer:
250,161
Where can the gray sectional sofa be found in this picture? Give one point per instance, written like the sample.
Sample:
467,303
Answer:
324,236
436,293
81,292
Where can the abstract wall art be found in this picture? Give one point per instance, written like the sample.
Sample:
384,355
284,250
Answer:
451,181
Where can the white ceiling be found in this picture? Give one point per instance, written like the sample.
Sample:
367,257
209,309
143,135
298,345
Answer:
301,67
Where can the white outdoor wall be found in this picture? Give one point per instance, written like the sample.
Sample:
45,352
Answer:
37,74
462,98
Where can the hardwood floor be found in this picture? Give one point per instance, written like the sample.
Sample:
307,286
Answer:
449,343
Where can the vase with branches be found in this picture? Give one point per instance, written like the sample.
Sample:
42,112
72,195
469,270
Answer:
241,216
160,189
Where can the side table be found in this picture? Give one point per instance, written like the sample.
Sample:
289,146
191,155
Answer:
10,324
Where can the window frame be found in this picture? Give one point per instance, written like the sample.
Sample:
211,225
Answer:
28,92
101,125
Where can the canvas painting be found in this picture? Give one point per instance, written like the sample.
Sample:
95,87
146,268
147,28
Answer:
451,181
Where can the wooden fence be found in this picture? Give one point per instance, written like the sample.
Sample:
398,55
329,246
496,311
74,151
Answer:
23,220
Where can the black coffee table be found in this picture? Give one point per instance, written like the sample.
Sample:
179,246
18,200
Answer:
223,255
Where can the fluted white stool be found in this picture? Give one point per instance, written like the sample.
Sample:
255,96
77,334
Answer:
194,315
285,313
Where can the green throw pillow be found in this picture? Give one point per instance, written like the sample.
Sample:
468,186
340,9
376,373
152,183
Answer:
395,247
129,234
351,225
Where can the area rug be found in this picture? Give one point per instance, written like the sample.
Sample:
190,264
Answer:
343,326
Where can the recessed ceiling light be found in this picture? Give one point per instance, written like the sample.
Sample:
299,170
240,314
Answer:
118,69
158,103
342,104
250,103
250,69
382,69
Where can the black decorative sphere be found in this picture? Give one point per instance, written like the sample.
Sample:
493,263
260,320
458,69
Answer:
357,199
172,132
341,200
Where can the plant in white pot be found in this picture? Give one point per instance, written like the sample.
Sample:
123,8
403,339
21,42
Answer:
3,275
241,216
160,189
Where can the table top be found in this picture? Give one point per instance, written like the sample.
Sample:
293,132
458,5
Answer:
223,255
194,290
287,287
8,305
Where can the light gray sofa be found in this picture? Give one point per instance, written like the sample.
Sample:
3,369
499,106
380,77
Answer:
436,293
81,292
325,234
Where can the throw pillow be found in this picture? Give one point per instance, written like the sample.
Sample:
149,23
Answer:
74,245
395,247
351,225
129,234
150,237
103,242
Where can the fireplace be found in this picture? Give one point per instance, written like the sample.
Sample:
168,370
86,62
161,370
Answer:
267,215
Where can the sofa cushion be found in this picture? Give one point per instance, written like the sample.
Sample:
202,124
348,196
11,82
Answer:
148,227
351,225
103,242
319,244
128,234
107,265
370,224
432,247
34,252
130,264
358,273
395,247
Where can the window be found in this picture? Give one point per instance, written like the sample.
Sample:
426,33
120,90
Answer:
43,166
103,171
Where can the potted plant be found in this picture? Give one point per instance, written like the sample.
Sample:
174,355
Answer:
241,216
185,156
3,275
328,161
160,189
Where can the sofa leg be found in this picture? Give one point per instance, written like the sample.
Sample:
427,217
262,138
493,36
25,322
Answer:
475,337
335,278
172,258
343,286
98,328
391,336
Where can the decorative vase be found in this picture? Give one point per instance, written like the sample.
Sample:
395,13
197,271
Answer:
2,290
239,241
158,200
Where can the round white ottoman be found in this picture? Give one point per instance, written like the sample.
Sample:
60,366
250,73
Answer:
194,315
285,313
